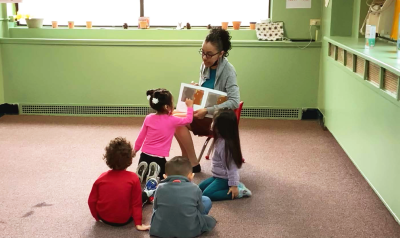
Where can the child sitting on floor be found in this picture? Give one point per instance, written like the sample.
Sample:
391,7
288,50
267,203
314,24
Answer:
179,209
156,135
226,161
116,196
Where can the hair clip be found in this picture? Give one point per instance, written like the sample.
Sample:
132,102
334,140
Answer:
155,100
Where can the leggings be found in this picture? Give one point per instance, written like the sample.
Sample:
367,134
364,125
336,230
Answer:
216,189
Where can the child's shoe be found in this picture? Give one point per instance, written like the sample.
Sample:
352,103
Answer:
154,171
149,191
141,171
151,185
243,191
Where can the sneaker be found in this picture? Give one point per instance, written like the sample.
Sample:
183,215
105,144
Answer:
154,171
151,184
243,191
196,169
142,170
150,188
149,191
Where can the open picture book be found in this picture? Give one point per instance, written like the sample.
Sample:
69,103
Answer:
202,98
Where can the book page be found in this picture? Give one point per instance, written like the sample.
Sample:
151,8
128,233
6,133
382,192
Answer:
202,97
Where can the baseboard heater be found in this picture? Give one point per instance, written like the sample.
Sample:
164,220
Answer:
132,110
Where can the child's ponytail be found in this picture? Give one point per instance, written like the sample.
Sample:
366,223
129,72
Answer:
159,98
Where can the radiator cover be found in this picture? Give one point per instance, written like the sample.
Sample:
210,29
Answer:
133,110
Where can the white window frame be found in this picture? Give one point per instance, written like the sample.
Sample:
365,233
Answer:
156,22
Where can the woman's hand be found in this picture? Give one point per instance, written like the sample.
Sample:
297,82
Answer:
201,113
134,153
193,83
234,190
143,227
189,102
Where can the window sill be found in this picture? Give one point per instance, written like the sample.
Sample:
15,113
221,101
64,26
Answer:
190,43
134,36
383,54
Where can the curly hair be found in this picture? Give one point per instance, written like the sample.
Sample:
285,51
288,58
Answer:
221,39
118,154
164,98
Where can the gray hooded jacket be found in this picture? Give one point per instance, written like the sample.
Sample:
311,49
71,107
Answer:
178,209
225,81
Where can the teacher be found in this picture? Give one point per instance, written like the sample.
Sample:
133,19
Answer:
215,73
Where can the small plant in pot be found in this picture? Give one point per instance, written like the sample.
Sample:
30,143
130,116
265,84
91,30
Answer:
31,22
34,22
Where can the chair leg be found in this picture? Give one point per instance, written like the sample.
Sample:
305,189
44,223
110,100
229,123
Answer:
208,153
202,149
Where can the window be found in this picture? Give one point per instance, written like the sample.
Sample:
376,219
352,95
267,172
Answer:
204,12
100,12
161,12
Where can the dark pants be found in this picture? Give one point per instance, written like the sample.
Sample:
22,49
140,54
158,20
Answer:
148,159
116,224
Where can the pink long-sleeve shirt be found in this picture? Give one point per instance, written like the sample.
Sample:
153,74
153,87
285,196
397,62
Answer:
157,132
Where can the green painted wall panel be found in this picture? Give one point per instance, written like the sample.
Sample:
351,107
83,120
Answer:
296,21
118,33
1,80
121,75
3,33
342,18
366,126
363,121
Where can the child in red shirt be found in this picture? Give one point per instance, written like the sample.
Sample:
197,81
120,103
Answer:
116,196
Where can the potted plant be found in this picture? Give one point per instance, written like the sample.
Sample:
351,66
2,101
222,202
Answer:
31,22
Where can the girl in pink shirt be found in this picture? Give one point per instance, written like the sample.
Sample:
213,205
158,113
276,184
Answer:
156,135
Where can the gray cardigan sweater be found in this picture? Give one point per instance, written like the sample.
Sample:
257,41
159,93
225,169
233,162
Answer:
225,81
177,210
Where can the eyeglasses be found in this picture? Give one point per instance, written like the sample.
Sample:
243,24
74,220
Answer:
201,52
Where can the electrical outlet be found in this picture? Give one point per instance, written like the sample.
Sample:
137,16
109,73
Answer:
315,22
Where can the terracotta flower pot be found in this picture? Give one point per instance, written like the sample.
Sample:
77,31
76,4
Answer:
224,25
236,25
252,25
143,24
89,24
54,24
71,24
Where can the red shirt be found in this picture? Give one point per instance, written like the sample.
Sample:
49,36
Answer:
116,196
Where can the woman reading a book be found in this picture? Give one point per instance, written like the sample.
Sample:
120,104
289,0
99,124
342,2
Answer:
215,73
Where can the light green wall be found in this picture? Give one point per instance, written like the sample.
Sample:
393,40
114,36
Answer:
117,73
121,34
359,14
366,125
1,81
121,74
3,33
296,21
342,18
